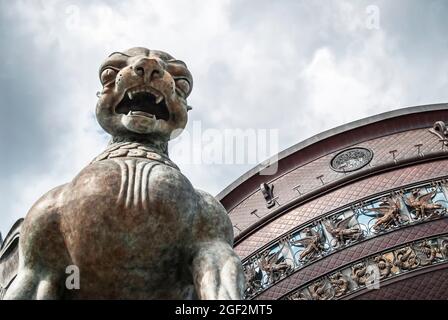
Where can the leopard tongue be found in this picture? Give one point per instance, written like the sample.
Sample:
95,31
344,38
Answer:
140,113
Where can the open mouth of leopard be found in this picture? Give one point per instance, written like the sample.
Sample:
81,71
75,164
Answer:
144,102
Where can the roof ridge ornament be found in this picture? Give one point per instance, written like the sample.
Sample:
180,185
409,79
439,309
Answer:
440,130
268,194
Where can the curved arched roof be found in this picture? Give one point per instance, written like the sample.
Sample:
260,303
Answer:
394,121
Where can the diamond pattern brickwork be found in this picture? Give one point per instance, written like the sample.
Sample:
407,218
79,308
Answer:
340,197
359,251
432,285
306,175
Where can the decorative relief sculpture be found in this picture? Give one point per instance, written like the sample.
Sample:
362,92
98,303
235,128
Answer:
426,252
351,159
444,248
392,263
406,259
422,204
360,274
274,265
384,266
340,284
389,213
269,267
320,290
312,241
253,279
356,223
130,221
441,131
300,295
342,231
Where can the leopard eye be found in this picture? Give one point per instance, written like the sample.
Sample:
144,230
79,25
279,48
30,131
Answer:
108,75
184,86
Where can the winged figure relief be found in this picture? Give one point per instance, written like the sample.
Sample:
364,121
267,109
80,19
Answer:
275,265
313,242
387,213
253,279
343,231
422,204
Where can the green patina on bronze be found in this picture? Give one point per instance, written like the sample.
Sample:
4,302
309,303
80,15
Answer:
131,221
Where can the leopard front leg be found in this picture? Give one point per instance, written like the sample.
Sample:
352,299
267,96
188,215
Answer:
42,254
216,269
217,272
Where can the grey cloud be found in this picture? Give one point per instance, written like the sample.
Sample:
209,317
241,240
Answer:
253,69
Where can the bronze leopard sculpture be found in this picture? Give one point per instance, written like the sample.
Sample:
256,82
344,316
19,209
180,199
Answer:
131,221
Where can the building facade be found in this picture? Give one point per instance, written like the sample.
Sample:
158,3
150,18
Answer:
357,212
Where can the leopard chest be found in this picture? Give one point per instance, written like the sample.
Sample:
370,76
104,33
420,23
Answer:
124,206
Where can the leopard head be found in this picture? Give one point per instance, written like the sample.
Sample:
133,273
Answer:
144,95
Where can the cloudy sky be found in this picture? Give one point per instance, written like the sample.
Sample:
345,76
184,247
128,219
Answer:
293,67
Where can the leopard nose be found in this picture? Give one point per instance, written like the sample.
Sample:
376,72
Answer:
148,68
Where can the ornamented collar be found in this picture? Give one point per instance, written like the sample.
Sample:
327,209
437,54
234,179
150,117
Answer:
133,150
